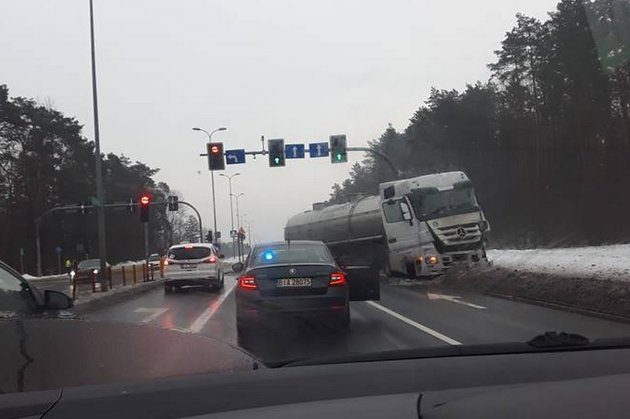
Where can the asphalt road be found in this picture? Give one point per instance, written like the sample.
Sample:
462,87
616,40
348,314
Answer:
405,317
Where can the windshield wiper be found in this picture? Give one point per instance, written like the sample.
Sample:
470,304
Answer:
546,342
558,340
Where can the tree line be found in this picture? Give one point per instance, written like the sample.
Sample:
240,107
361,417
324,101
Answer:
46,162
546,139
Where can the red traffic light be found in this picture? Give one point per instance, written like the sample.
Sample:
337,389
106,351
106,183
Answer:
214,149
145,200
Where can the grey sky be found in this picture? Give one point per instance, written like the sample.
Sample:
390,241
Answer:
298,70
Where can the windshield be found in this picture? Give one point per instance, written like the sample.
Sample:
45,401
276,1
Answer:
89,264
189,252
431,203
301,179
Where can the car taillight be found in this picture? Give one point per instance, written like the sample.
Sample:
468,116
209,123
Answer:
211,259
247,283
337,278
165,262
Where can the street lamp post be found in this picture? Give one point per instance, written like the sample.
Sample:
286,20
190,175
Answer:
214,202
229,178
238,222
238,217
100,211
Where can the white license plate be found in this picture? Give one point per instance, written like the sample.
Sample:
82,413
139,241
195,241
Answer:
188,266
293,282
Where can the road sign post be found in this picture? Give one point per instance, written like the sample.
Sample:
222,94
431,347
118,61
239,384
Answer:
58,251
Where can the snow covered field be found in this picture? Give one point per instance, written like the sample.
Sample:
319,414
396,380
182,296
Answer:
600,262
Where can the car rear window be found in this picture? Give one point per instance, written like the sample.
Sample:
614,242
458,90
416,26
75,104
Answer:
291,253
89,264
182,253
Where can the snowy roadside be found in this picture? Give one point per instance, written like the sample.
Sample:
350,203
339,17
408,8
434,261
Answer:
596,262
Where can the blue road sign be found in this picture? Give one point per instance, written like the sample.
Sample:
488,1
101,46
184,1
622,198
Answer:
294,151
318,150
58,249
235,156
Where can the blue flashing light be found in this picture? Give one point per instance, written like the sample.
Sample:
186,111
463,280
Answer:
268,255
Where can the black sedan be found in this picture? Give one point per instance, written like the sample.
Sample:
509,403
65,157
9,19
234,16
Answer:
291,278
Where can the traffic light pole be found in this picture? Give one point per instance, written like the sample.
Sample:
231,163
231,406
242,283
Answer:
38,222
214,209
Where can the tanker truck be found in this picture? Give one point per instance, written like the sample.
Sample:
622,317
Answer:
417,227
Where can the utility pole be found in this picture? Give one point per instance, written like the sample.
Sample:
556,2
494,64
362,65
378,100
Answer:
100,211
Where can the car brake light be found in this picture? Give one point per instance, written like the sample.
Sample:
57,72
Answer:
211,259
247,283
165,262
337,278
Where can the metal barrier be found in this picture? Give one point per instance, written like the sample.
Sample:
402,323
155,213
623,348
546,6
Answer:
116,277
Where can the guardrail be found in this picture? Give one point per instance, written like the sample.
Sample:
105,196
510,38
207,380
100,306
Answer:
117,276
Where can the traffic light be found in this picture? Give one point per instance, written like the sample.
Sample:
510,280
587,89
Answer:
215,156
276,153
173,203
145,202
338,150
209,237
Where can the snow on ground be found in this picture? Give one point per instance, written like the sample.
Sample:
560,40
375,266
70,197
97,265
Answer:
598,262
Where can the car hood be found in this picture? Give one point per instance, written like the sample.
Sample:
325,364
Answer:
40,354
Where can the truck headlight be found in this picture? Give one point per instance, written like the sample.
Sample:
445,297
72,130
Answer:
432,260
95,271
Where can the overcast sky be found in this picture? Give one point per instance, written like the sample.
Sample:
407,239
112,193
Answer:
298,70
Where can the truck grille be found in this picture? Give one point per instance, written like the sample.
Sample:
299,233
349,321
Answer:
458,234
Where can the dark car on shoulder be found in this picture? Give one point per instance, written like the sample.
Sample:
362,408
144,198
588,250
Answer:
289,279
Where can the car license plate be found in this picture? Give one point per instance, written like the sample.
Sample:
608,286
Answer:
188,266
293,282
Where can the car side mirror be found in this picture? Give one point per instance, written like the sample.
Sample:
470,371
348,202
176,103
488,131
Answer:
237,267
221,256
56,300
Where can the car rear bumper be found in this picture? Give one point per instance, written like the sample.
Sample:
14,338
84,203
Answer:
251,306
192,278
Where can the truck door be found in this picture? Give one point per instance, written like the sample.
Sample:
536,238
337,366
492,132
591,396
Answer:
400,229
364,282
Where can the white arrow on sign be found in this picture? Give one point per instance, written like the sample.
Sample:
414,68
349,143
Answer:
294,151
319,149
453,299
232,157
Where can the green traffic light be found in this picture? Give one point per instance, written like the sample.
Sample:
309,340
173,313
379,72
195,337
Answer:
277,160
339,156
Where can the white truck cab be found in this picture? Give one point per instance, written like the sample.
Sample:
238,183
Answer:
432,222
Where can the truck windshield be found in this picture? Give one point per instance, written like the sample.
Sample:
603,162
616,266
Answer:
431,202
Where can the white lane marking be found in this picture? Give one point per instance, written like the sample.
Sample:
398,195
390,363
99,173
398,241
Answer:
207,314
453,299
415,324
154,313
